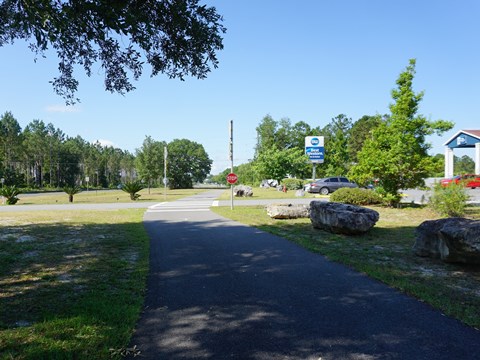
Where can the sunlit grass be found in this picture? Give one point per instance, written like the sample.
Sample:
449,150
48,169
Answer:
107,196
71,283
268,193
385,253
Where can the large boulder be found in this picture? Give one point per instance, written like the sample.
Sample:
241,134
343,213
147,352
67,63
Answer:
452,240
242,190
287,211
269,183
342,218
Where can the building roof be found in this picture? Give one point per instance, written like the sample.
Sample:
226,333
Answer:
473,133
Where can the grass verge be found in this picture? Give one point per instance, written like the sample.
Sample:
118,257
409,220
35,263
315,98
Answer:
385,254
106,196
71,283
268,193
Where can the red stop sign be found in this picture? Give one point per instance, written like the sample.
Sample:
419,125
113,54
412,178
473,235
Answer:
232,178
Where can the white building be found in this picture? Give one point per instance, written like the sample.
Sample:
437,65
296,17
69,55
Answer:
462,139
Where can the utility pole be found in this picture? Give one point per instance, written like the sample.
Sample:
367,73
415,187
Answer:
165,154
231,161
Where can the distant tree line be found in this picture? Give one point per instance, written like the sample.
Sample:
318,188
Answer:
280,148
42,156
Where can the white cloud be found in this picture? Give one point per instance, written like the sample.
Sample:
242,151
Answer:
62,109
106,143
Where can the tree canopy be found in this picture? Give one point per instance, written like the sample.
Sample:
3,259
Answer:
277,164
187,163
396,152
337,159
360,131
149,160
178,38
42,155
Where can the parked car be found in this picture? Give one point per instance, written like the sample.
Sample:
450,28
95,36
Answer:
307,187
469,180
327,185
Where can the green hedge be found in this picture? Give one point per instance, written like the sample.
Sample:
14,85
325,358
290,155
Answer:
356,196
292,184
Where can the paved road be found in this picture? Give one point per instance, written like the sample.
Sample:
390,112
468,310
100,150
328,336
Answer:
220,290
422,196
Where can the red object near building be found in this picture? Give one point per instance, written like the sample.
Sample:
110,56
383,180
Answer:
468,180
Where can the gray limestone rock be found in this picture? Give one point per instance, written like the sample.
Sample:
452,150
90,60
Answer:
342,218
287,211
242,190
451,240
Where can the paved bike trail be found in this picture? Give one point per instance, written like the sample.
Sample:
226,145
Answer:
218,289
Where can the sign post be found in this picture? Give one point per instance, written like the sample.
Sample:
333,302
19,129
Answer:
165,181
231,164
232,178
2,180
315,151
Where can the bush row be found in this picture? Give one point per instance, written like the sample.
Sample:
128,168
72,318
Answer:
292,184
356,196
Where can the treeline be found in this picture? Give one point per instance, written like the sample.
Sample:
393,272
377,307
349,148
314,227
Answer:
280,150
390,150
42,156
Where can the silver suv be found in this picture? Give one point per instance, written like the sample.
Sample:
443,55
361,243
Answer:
327,185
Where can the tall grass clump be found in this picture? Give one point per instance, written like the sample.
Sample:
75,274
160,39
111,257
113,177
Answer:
450,201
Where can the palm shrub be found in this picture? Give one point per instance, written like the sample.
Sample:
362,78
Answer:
356,196
10,194
71,190
133,187
449,201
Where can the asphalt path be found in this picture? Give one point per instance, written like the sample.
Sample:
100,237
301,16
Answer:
218,289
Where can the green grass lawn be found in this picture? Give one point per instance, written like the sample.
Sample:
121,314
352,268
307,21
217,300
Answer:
268,193
106,196
385,254
71,283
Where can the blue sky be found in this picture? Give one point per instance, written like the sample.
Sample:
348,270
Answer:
305,60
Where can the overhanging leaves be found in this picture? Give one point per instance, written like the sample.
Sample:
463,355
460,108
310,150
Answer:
176,37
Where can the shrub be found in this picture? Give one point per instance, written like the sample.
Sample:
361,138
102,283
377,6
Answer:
10,193
449,201
71,190
292,184
392,200
133,188
356,196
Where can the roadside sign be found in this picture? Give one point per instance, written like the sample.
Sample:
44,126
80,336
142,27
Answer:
314,149
232,178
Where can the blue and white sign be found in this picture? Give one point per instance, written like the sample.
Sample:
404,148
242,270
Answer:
461,141
314,149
